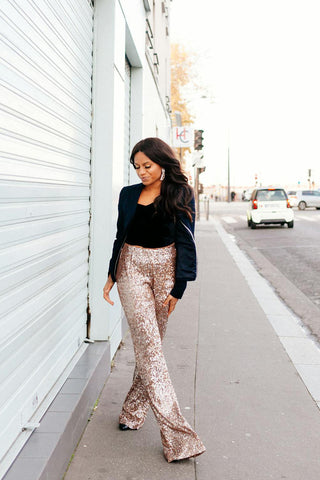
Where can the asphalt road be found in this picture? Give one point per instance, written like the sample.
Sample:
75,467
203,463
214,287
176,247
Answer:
288,258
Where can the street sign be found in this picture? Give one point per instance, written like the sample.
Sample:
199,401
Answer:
182,137
197,159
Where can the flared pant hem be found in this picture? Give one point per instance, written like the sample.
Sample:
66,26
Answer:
171,458
129,424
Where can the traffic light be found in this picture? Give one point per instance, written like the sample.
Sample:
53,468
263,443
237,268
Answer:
198,139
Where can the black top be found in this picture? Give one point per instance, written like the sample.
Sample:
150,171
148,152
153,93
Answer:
149,229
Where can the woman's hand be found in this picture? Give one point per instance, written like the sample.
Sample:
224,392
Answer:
106,290
171,301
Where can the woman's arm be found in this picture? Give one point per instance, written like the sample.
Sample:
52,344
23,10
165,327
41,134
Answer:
171,301
106,290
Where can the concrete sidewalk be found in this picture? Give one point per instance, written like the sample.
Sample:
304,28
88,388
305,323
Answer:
235,383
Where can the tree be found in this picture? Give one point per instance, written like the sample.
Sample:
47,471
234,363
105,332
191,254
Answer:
181,76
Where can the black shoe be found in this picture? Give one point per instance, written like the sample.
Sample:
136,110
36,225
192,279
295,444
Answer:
123,426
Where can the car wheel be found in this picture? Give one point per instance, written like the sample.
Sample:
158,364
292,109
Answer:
302,205
317,208
290,224
249,223
253,225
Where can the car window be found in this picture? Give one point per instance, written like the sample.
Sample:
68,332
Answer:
263,195
292,192
307,192
278,195
317,194
271,195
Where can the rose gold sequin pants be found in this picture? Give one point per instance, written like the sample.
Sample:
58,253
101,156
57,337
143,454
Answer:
145,277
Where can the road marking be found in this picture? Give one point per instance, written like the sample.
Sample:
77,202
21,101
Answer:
309,219
229,219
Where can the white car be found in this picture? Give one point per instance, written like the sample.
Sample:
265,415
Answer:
268,206
308,198
293,199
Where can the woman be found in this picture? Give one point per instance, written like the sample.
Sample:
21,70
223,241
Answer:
153,258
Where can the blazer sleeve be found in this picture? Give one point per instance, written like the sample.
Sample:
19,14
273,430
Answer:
117,244
186,260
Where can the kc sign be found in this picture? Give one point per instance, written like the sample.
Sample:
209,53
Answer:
182,137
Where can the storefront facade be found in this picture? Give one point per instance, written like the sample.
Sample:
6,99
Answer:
81,86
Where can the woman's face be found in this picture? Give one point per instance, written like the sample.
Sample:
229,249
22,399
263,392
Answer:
148,171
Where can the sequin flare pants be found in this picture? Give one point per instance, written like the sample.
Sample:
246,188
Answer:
145,277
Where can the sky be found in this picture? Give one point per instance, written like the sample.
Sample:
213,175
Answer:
258,63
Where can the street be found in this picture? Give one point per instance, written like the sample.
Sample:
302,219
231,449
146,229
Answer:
288,258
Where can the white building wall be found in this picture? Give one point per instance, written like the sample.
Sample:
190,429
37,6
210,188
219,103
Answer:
120,27
135,17
155,121
113,41
157,72
107,158
119,32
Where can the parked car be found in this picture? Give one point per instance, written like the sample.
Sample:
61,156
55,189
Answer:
293,199
308,198
269,206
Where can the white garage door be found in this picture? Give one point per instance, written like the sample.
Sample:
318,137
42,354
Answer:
45,136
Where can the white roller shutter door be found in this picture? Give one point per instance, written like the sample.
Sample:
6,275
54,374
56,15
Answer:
45,139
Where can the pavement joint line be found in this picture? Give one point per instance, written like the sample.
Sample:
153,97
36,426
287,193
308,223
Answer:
312,347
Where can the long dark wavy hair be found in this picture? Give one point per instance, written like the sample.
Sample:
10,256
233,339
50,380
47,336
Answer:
176,193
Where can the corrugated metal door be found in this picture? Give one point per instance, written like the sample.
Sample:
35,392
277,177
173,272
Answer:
127,120
45,136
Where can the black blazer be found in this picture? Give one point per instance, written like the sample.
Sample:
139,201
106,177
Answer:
186,260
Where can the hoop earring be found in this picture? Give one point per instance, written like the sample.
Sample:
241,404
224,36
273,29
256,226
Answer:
163,174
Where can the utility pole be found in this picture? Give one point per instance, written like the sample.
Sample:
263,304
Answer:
196,191
309,178
198,145
229,196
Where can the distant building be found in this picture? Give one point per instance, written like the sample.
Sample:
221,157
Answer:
82,82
